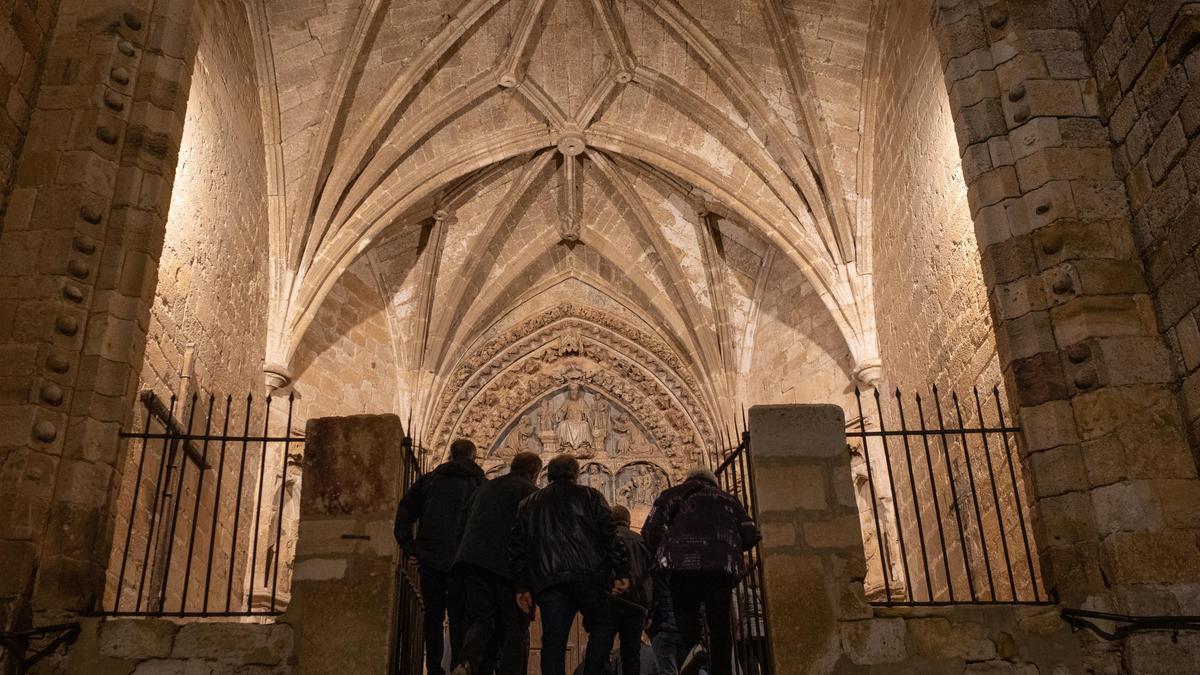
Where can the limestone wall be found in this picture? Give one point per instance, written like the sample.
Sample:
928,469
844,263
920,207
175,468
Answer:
161,646
799,356
347,363
930,299
25,28
207,323
1147,70
212,276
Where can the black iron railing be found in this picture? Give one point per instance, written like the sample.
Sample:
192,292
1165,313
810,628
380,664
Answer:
751,626
21,650
947,518
408,643
200,521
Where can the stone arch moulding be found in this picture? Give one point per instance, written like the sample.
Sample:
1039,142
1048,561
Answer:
536,357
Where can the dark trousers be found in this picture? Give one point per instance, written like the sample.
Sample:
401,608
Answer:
559,605
713,590
442,596
628,622
497,635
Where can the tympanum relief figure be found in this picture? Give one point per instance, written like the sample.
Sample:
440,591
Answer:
574,420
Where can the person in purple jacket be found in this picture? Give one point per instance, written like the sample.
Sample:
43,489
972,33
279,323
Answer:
698,534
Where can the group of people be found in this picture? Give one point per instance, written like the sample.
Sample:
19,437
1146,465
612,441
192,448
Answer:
493,554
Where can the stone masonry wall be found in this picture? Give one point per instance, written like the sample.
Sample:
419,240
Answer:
159,646
212,276
346,363
25,27
930,301
210,301
799,354
1147,66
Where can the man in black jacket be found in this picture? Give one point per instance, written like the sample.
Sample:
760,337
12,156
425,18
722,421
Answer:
435,504
565,554
497,636
629,609
699,533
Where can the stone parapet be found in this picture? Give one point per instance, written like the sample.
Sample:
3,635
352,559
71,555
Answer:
344,574
124,646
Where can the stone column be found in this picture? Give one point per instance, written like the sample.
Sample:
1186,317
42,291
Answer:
812,543
1105,449
78,257
344,574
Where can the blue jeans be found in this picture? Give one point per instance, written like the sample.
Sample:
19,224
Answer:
668,650
559,605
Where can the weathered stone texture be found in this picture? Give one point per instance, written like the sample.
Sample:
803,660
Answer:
930,299
25,29
352,334
161,646
1148,75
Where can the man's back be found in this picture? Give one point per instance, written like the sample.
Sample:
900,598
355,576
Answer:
435,503
488,523
564,533
695,526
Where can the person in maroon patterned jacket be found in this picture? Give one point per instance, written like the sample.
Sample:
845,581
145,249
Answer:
698,534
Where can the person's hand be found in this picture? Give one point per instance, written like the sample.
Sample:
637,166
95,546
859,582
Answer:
620,586
525,602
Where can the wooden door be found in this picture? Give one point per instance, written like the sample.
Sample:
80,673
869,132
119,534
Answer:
576,644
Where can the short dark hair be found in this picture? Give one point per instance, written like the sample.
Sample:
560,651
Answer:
461,450
621,515
563,469
526,464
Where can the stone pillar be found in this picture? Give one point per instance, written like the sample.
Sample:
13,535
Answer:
812,543
1105,449
344,574
78,257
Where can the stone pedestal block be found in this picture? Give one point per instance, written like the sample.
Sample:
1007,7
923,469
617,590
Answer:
812,544
343,580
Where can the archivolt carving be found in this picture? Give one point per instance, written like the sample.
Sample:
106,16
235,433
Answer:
526,362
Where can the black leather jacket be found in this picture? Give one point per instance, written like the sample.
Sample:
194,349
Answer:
564,533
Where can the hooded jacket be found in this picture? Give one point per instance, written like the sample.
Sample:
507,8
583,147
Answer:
564,533
435,504
488,522
697,527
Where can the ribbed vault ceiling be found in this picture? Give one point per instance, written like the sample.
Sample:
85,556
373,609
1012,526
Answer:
492,157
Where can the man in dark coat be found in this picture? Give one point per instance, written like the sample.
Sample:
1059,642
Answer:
566,556
435,504
629,609
698,534
497,636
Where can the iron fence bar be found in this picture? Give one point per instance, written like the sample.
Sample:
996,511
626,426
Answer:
158,489
934,432
987,564
912,488
187,568
884,568
195,614
282,489
137,486
214,438
962,536
262,475
887,458
237,508
987,451
166,575
937,509
1012,474
212,529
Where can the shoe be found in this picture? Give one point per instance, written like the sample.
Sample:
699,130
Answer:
696,659
461,669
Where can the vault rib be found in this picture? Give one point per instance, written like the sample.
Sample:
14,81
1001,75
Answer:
680,289
510,66
843,232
